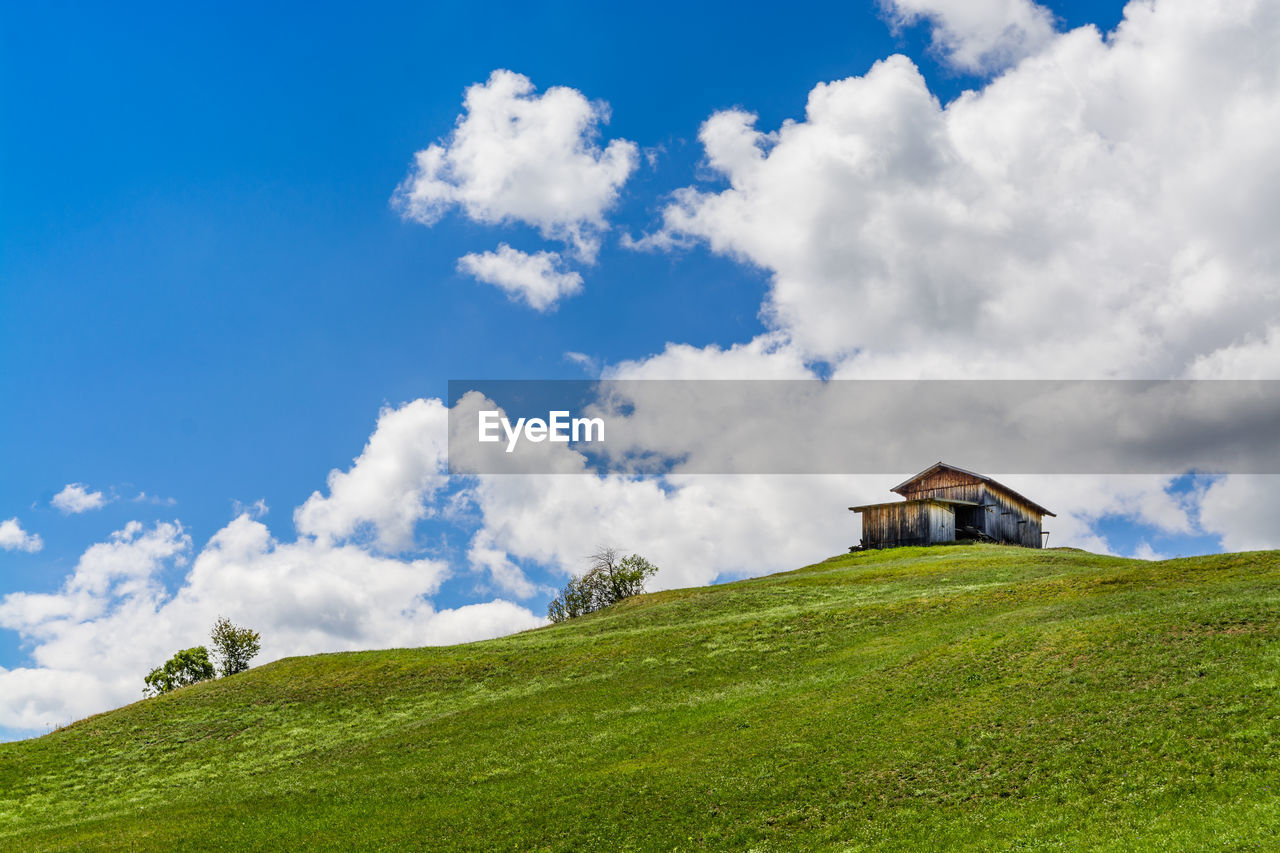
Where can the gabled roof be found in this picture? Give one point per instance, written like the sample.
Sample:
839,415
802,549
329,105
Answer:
938,466
943,501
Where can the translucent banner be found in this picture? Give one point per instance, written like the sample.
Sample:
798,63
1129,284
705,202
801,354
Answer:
863,426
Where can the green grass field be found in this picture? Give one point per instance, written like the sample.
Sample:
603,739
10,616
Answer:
966,698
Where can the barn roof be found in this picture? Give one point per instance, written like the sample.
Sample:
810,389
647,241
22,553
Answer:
943,501
938,466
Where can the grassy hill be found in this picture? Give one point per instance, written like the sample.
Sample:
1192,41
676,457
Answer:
970,698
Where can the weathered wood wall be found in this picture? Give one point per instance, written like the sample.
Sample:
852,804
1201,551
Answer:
1010,519
942,523
916,522
953,485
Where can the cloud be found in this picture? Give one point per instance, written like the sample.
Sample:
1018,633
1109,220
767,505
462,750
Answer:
386,492
1144,551
94,638
257,509
1103,209
768,356
1255,356
505,574
515,156
14,538
143,497
537,280
76,498
978,35
696,528
123,568
313,595
1083,500
590,364
1238,509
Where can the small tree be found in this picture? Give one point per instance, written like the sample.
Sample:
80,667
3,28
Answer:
610,579
186,667
233,647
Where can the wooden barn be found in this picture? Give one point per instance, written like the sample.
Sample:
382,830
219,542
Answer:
948,504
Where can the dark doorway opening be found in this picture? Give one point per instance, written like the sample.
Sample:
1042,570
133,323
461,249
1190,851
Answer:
969,522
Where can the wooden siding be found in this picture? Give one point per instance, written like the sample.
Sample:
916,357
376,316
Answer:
916,522
945,483
942,523
1011,520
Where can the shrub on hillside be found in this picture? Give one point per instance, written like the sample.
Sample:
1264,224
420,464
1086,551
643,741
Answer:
188,666
233,646
610,579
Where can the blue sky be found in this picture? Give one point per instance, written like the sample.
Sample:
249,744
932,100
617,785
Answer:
207,295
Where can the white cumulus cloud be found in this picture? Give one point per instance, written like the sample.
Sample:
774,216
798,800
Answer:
537,280
1105,208
979,35
1238,509
386,492
518,156
695,528
14,538
76,498
768,356
504,573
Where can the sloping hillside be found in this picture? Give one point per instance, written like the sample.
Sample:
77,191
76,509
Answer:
975,698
